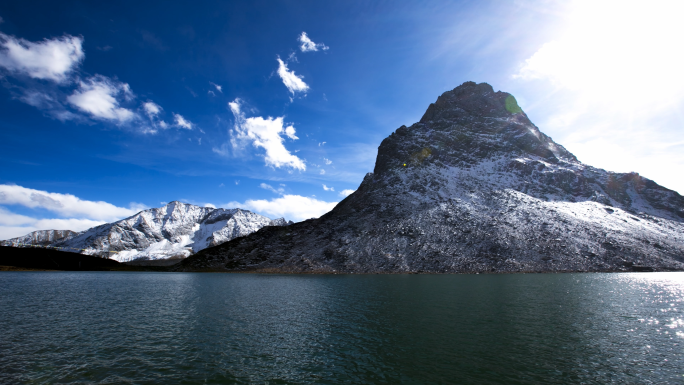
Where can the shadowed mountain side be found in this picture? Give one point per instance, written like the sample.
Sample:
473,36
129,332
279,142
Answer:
474,187
46,259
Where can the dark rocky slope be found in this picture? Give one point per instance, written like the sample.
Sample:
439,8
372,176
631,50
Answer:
47,259
474,187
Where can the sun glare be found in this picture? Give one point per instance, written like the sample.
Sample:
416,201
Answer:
617,52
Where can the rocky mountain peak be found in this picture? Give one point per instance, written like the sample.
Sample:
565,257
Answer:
470,123
472,98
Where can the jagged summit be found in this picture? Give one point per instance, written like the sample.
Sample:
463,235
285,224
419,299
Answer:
472,99
469,117
474,186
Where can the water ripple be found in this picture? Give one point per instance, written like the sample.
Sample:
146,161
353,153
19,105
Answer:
145,328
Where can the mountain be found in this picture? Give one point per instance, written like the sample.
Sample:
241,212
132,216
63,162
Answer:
173,231
474,186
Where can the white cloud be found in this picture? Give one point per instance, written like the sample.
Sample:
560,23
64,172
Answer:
308,45
290,132
327,161
84,214
265,133
51,59
98,97
268,187
182,122
218,87
346,192
293,82
74,224
291,207
152,109
7,232
8,218
326,188
322,172
64,204
322,144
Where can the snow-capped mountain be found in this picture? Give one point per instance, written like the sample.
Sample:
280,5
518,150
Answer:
475,187
173,231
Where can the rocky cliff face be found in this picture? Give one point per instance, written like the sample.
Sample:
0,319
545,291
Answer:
174,231
474,187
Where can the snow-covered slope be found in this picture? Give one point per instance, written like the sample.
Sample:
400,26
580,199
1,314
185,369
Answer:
475,187
173,231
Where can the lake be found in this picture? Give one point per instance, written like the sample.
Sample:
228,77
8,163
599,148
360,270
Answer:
145,328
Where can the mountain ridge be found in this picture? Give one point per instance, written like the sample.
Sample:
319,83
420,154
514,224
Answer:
175,230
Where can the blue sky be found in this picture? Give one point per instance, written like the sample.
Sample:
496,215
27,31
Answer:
279,106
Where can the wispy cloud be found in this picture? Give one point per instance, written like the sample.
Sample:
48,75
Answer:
151,109
218,87
291,207
326,188
307,45
266,134
51,59
268,187
346,192
327,161
49,103
182,122
293,82
98,95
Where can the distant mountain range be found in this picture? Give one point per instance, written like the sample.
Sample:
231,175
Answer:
474,187
173,231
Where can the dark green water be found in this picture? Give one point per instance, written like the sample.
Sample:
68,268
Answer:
144,328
